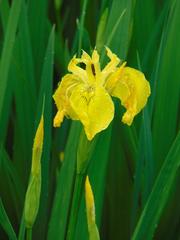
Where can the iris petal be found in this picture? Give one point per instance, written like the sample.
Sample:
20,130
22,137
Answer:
94,109
61,98
133,90
112,65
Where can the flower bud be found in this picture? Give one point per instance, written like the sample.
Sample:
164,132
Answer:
34,187
90,210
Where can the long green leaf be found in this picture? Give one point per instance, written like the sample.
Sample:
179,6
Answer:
168,89
60,211
25,96
5,223
37,12
46,95
144,29
158,198
101,29
120,19
144,165
13,191
7,48
4,13
82,25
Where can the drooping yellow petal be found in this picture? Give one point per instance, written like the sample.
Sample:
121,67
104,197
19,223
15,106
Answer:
64,89
58,119
133,90
94,108
61,97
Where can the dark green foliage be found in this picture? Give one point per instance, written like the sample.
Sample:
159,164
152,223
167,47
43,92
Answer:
134,171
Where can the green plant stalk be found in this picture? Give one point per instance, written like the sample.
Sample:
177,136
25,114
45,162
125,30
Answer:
29,233
84,153
22,228
79,180
81,25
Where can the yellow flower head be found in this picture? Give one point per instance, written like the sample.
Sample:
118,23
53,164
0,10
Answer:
85,94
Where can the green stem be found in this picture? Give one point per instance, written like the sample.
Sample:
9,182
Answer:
28,233
84,153
22,229
75,206
81,26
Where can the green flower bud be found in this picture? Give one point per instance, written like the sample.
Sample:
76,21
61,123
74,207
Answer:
34,188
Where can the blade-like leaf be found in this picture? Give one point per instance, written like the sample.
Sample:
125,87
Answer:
159,195
37,12
168,89
60,211
5,223
25,97
4,13
120,16
46,96
13,191
7,48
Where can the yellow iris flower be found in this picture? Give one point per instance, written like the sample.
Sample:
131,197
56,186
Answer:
85,94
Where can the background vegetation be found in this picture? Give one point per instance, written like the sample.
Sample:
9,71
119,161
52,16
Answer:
134,171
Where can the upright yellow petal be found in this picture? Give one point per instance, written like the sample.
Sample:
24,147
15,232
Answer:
112,65
96,63
133,90
86,59
76,70
94,108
